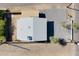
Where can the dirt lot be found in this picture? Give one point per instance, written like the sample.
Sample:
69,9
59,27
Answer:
37,49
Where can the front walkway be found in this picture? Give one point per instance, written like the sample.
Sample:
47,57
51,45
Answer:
35,49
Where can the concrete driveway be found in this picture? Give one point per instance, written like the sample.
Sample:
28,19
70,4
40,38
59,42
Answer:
37,49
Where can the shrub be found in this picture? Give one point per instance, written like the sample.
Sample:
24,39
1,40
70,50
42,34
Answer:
76,26
54,39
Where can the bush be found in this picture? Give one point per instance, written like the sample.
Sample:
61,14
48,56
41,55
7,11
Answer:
2,39
54,39
62,42
76,26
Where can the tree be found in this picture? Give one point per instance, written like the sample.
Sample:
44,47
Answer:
2,26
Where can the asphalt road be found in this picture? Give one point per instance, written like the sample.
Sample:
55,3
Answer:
36,49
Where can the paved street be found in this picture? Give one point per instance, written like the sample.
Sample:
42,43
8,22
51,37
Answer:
77,50
37,49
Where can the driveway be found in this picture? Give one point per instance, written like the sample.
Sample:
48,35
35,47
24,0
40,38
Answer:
37,49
